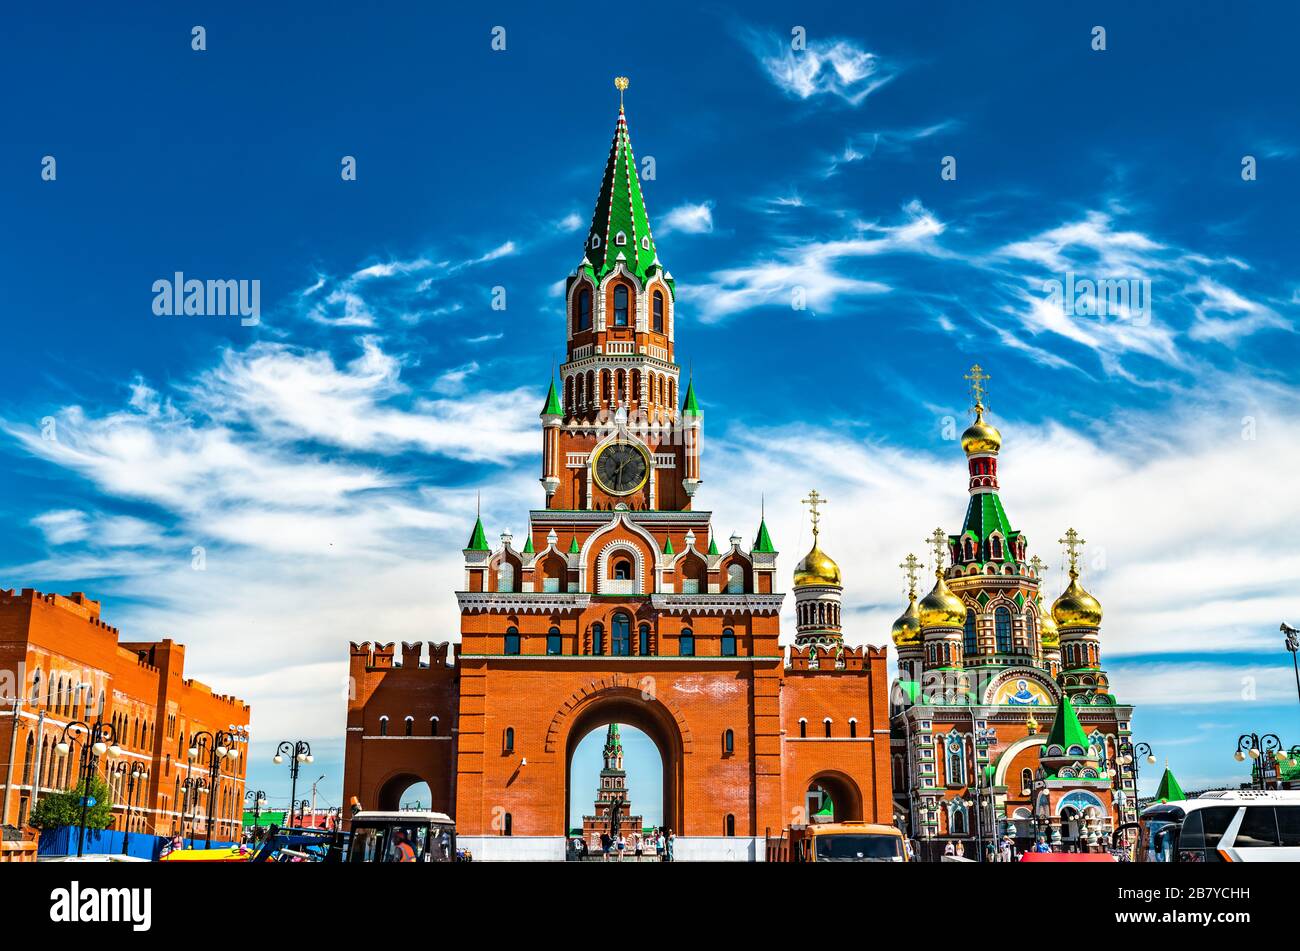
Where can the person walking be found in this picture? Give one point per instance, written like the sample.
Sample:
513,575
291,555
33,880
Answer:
606,840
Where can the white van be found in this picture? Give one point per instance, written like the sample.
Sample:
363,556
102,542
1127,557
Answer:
1228,825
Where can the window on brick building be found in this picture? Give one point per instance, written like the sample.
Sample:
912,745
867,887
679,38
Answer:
584,309
1002,630
554,643
803,729
728,642
597,639
970,644
1026,781
508,825
853,729
729,825
620,305
433,726
509,740
686,643
512,640
659,312
827,724
728,742
383,726
643,637
410,726
621,639
622,570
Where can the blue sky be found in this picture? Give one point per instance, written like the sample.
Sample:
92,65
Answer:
328,459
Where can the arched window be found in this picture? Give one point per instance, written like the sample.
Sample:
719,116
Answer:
728,642
36,687
955,765
506,577
584,309
621,628
643,640
433,726
735,579
827,725
686,643
728,742
383,726
410,726
659,312
512,640
622,570
995,546
620,305
554,644
1026,781
1002,628
508,741
853,729
970,643
598,639
803,729
957,819
28,750
508,825
729,826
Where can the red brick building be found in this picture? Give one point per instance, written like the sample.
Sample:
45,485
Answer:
64,664
620,606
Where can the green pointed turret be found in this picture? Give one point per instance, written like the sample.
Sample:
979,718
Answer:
763,543
713,544
690,406
528,545
1067,731
668,545
478,538
1169,790
573,545
552,407
620,226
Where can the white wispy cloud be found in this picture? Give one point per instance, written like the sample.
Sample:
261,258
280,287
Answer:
690,218
839,68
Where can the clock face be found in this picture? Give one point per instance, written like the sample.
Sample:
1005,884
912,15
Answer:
620,468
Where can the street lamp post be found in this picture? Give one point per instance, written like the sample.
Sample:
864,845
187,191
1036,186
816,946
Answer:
129,772
219,747
1258,748
192,786
257,799
979,737
99,741
1293,646
299,752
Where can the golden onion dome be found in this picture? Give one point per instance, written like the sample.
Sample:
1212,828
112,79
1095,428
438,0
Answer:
942,608
1076,607
1048,635
906,631
816,567
980,436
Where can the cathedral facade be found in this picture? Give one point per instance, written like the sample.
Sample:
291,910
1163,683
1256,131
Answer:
1003,719
620,605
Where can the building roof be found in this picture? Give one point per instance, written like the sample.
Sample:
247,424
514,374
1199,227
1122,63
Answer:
1169,790
620,210
691,406
763,543
1067,731
552,407
478,537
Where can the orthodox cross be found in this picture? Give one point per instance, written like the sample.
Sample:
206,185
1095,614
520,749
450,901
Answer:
939,542
977,378
1038,565
814,499
1072,543
909,565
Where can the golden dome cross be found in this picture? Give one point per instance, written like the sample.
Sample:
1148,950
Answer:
910,564
814,499
977,378
1072,543
938,541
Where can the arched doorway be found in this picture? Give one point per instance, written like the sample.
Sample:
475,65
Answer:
615,764
628,707
833,797
404,791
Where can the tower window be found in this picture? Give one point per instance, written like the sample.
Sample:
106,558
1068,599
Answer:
620,239
728,742
728,642
643,637
686,643
508,741
659,312
1002,628
554,645
383,726
597,639
410,726
853,729
622,635
970,644
620,305
622,570
584,309
827,724
512,640
729,826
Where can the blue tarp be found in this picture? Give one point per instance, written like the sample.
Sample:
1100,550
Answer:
109,842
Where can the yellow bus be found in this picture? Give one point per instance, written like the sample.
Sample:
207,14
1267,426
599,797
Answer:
838,842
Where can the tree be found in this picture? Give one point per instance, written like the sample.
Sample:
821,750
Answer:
64,808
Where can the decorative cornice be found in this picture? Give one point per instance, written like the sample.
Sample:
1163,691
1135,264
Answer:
527,602
717,603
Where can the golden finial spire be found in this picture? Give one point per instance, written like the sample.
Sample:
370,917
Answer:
1072,543
938,542
977,378
910,564
620,83
1038,565
814,499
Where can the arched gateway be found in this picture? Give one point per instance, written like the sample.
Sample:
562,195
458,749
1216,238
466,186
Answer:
621,605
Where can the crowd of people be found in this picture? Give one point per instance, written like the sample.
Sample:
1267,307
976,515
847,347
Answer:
657,843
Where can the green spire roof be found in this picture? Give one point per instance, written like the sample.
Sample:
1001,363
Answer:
620,210
713,544
1067,731
528,544
668,545
984,516
573,545
690,407
552,407
1169,790
763,543
478,538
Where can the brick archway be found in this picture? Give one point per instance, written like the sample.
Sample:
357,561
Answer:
846,797
618,700
388,797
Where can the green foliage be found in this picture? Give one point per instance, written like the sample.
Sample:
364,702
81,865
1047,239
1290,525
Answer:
64,808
